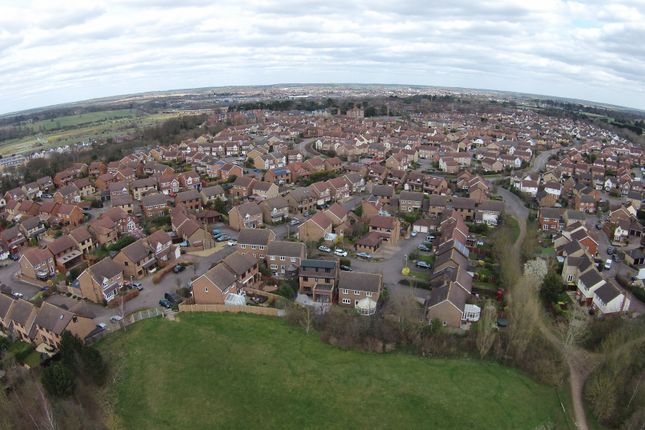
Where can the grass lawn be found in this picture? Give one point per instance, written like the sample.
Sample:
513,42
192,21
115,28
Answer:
243,371
514,226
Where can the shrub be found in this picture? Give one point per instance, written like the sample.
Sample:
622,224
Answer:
58,380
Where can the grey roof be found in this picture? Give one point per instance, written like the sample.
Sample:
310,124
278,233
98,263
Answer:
145,182
122,199
5,304
320,264
215,190
452,293
21,311
255,236
53,318
276,203
607,293
249,208
105,268
187,195
239,263
61,244
382,190
136,251
154,199
286,248
411,195
591,278
221,276
360,281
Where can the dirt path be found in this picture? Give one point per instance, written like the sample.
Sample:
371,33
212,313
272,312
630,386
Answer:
580,362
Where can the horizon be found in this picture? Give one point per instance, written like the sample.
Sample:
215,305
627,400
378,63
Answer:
321,84
75,51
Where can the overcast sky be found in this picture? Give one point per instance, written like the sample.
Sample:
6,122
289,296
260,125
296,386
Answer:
60,51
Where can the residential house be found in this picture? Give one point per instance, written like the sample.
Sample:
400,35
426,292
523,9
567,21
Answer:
388,227
317,279
137,260
51,321
246,215
212,193
254,241
359,290
66,253
83,239
142,187
161,243
284,257
410,201
301,201
36,263
100,283
154,205
190,199
315,228
275,209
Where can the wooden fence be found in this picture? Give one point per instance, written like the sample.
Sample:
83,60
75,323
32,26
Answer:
273,312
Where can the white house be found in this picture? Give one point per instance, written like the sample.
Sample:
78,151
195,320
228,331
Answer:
609,300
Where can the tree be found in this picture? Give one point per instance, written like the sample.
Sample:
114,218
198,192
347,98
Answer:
58,380
486,329
551,288
94,366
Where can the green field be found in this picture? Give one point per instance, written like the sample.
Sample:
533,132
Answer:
242,371
76,128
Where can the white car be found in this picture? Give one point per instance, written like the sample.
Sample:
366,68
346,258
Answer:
116,318
608,264
413,234
324,248
17,295
340,252
232,242
102,326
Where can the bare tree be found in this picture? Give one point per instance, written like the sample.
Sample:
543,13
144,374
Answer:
486,329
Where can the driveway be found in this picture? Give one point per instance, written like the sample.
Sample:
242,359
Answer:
391,267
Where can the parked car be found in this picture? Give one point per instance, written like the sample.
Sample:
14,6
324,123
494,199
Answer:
184,244
232,242
610,250
430,238
137,285
116,318
480,243
216,232
165,303
223,237
323,248
413,234
345,267
364,255
14,257
423,265
101,326
424,248
42,275
294,221
47,196
17,295
179,268
608,264
599,226
340,252
172,297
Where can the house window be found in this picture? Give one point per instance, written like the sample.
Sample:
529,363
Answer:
345,291
243,246
356,292
283,258
254,247
368,294
206,289
274,267
305,278
347,301
570,278
355,302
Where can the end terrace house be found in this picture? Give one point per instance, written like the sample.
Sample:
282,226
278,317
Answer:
284,257
100,283
37,263
51,321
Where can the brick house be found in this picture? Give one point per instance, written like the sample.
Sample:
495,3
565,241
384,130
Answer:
66,253
284,257
230,276
388,227
410,201
356,286
275,209
314,228
51,321
246,215
190,199
254,241
101,282
137,260
36,263
154,205
317,279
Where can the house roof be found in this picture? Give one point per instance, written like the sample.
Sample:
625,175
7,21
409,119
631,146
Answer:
35,256
379,221
321,220
255,236
240,263
154,199
136,251
106,268
286,248
53,318
185,196
607,292
591,278
21,311
360,281
80,234
221,276
61,244
214,190
249,208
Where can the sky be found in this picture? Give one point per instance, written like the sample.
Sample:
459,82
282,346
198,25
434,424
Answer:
61,51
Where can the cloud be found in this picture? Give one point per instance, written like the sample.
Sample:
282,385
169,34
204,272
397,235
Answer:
63,51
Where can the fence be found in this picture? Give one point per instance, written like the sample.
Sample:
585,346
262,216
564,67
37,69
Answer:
142,315
233,309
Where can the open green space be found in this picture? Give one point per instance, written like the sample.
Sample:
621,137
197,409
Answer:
210,371
69,130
